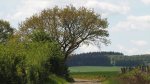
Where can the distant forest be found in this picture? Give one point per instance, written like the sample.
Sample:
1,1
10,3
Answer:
107,59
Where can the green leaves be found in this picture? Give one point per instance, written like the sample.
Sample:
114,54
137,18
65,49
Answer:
40,36
29,62
69,26
5,31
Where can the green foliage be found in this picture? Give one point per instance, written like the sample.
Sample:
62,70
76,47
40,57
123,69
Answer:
133,60
40,36
5,31
12,65
41,59
90,59
107,59
29,62
135,76
69,26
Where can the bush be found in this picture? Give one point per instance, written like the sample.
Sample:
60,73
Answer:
12,66
135,76
30,62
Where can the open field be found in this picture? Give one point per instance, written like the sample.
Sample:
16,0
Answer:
94,69
100,73
94,75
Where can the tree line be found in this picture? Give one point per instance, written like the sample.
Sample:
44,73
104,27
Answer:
107,59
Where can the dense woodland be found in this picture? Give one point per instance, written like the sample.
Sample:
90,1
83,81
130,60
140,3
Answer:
107,59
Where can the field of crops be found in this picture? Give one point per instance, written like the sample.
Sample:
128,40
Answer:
94,72
94,69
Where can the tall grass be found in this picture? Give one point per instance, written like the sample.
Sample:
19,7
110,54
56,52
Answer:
135,76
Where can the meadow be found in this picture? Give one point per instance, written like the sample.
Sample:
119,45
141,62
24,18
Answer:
94,72
93,68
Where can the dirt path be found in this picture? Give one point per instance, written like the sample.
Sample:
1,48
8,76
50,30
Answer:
84,81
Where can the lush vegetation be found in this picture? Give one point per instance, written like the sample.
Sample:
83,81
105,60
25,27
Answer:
136,75
5,31
107,59
37,51
69,26
30,63
89,59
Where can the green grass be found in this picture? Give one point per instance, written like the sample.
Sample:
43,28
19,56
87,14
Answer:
57,80
94,72
94,75
94,68
112,81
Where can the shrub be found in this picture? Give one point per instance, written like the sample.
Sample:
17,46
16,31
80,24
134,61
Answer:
136,76
12,66
30,62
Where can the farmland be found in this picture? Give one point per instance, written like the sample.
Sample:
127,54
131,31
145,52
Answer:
94,72
93,68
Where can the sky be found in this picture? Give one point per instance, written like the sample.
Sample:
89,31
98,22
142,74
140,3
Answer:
129,20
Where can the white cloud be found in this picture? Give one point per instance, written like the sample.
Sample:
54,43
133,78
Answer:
125,50
87,48
27,8
108,7
128,50
139,43
146,1
133,23
147,52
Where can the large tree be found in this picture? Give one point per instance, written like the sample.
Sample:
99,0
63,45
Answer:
5,31
68,26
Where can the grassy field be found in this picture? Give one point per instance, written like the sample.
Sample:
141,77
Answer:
94,75
94,69
94,72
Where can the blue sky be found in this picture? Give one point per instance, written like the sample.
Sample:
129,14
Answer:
129,20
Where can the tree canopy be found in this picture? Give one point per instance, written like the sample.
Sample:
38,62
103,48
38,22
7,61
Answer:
5,31
68,26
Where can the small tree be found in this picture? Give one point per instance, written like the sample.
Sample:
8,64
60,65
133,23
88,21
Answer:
68,26
5,31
